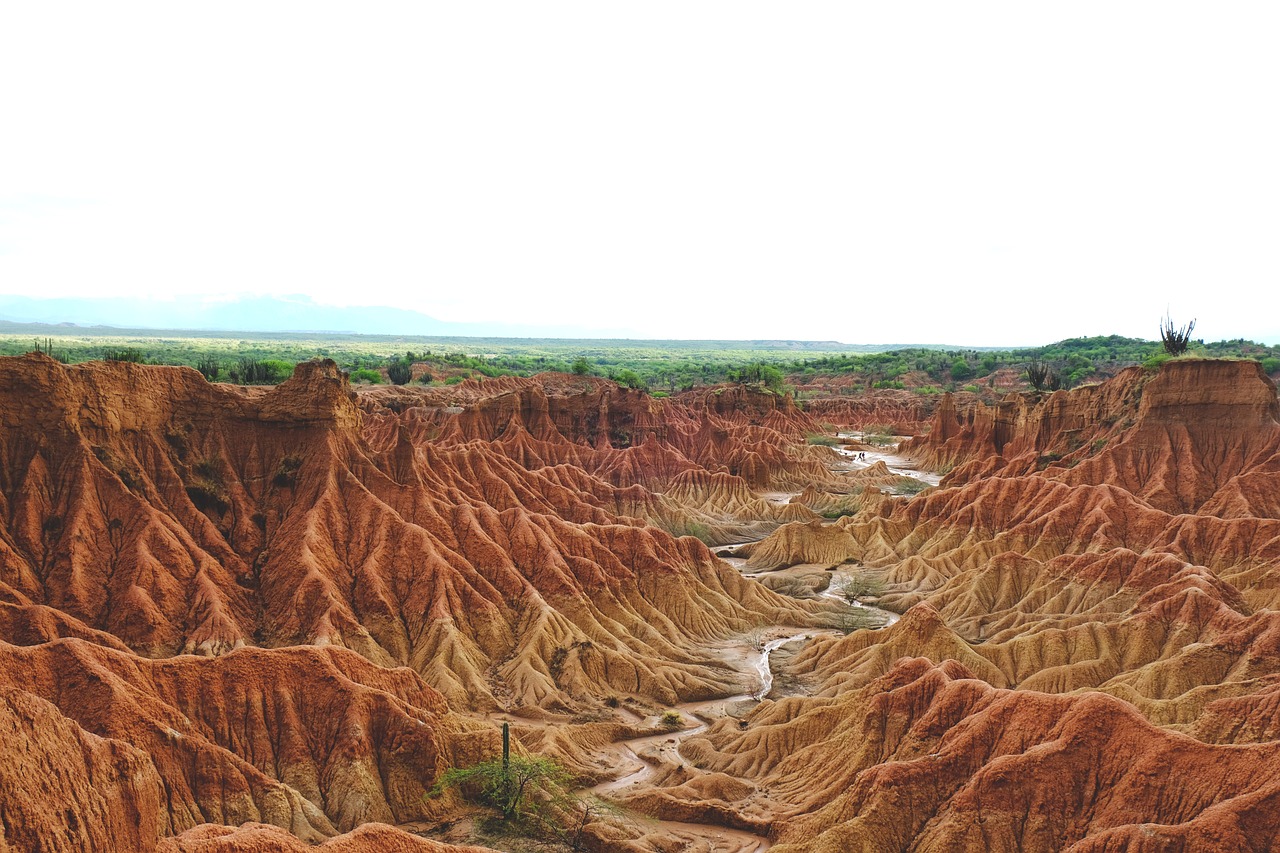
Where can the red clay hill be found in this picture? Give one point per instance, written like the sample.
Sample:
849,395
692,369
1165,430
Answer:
258,619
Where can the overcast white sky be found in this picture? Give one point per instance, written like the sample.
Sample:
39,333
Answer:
969,173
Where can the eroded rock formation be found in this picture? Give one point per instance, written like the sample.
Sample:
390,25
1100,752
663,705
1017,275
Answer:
256,619
232,605
1087,659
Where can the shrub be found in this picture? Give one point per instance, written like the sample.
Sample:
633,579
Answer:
504,783
1271,365
878,436
695,529
630,379
671,720
287,471
207,495
1175,340
210,469
862,586
209,367
400,371
960,370
129,354
252,371
504,786
758,373
364,374
581,366
910,486
1038,375
855,619
823,440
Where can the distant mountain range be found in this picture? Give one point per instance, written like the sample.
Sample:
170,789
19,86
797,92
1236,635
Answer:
296,316
263,314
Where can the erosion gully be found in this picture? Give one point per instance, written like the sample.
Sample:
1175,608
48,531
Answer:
640,758
643,756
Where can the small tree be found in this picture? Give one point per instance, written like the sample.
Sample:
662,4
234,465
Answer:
505,783
1175,340
581,366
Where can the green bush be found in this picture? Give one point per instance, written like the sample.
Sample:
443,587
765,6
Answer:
506,785
862,586
1271,365
758,373
671,720
252,371
400,371
910,486
630,379
129,354
364,374
879,436
823,440
581,366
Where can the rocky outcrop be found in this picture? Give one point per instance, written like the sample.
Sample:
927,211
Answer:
314,740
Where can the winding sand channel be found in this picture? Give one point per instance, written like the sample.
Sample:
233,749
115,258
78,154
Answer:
895,463
649,754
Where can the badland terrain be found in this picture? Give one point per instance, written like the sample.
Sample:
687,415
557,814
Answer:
239,618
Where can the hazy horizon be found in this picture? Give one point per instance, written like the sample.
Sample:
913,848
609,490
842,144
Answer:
848,172
122,314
